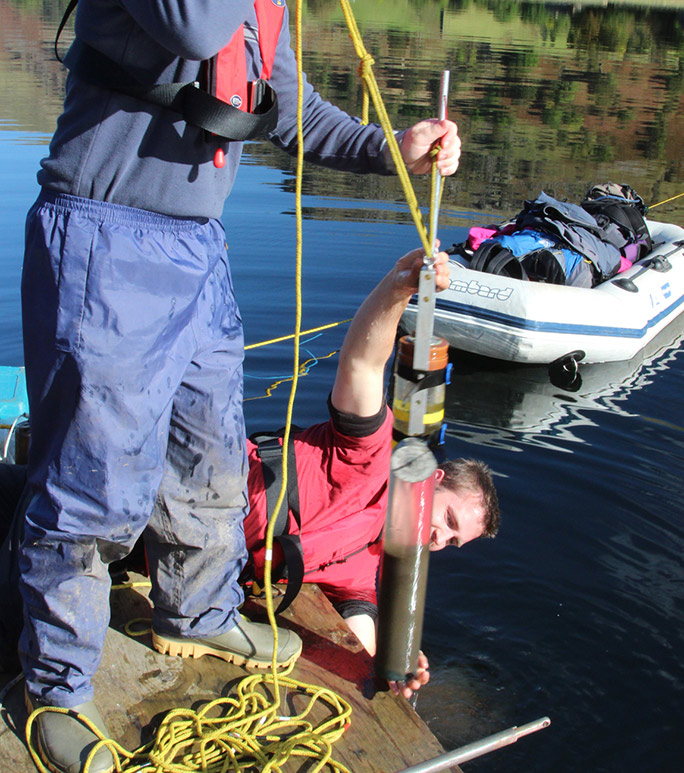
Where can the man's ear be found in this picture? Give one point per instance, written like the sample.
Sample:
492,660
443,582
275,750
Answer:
439,475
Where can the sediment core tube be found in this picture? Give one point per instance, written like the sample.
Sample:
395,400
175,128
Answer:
404,567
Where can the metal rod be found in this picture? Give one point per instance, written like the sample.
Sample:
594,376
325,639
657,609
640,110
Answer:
426,283
478,748
442,114
425,318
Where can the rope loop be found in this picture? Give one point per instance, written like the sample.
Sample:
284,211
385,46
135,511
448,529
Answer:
365,65
228,734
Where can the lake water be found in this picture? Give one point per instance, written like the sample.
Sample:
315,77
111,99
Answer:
576,610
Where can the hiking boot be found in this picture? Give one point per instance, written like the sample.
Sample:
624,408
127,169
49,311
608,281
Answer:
64,743
247,644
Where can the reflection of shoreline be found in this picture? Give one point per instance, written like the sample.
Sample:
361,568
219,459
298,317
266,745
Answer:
557,98
31,79
585,93
494,404
674,4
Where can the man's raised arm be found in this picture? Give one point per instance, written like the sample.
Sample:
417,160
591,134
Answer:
359,381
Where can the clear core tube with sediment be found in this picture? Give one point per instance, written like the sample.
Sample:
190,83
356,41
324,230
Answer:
404,567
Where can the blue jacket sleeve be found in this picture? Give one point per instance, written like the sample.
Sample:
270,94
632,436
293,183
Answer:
332,138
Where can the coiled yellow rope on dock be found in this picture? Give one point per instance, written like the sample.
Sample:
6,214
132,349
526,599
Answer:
238,733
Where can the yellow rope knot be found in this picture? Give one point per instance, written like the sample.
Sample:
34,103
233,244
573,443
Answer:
365,71
365,65
372,91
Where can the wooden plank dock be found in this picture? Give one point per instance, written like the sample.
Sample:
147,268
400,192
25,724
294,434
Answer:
135,686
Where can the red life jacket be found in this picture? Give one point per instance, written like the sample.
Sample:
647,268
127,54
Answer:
228,106
227,71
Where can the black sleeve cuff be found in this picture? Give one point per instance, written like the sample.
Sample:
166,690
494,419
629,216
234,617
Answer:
356,607
357,426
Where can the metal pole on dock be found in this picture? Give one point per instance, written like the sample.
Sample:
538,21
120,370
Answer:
478,748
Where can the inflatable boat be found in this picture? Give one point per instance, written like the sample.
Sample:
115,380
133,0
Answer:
533,322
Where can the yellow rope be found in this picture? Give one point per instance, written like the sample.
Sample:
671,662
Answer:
302,333
435,181
672,198
238,733
135,584
303,371
298,326
370,84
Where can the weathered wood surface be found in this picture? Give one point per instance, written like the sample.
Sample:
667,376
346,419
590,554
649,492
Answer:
135,686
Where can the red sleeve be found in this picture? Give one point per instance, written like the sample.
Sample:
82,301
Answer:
354,579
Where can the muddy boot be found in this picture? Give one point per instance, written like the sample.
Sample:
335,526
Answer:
64,743
247,644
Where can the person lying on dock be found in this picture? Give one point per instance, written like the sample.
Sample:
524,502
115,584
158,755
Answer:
337,510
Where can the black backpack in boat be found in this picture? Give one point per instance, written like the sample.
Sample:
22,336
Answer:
620,205
493,258
543,265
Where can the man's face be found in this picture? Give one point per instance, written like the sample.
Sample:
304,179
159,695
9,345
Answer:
457,517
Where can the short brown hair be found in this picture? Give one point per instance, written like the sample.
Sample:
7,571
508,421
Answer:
474,475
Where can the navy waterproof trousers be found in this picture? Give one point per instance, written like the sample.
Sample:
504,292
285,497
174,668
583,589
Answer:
133,351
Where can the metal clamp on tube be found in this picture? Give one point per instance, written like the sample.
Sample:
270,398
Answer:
404,566
418,403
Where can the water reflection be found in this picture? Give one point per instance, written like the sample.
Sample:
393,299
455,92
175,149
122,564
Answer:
546,96
492,403
555,96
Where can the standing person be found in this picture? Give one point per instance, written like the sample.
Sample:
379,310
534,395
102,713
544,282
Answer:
133,339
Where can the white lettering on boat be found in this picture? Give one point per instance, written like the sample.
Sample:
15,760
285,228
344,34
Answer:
473,287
